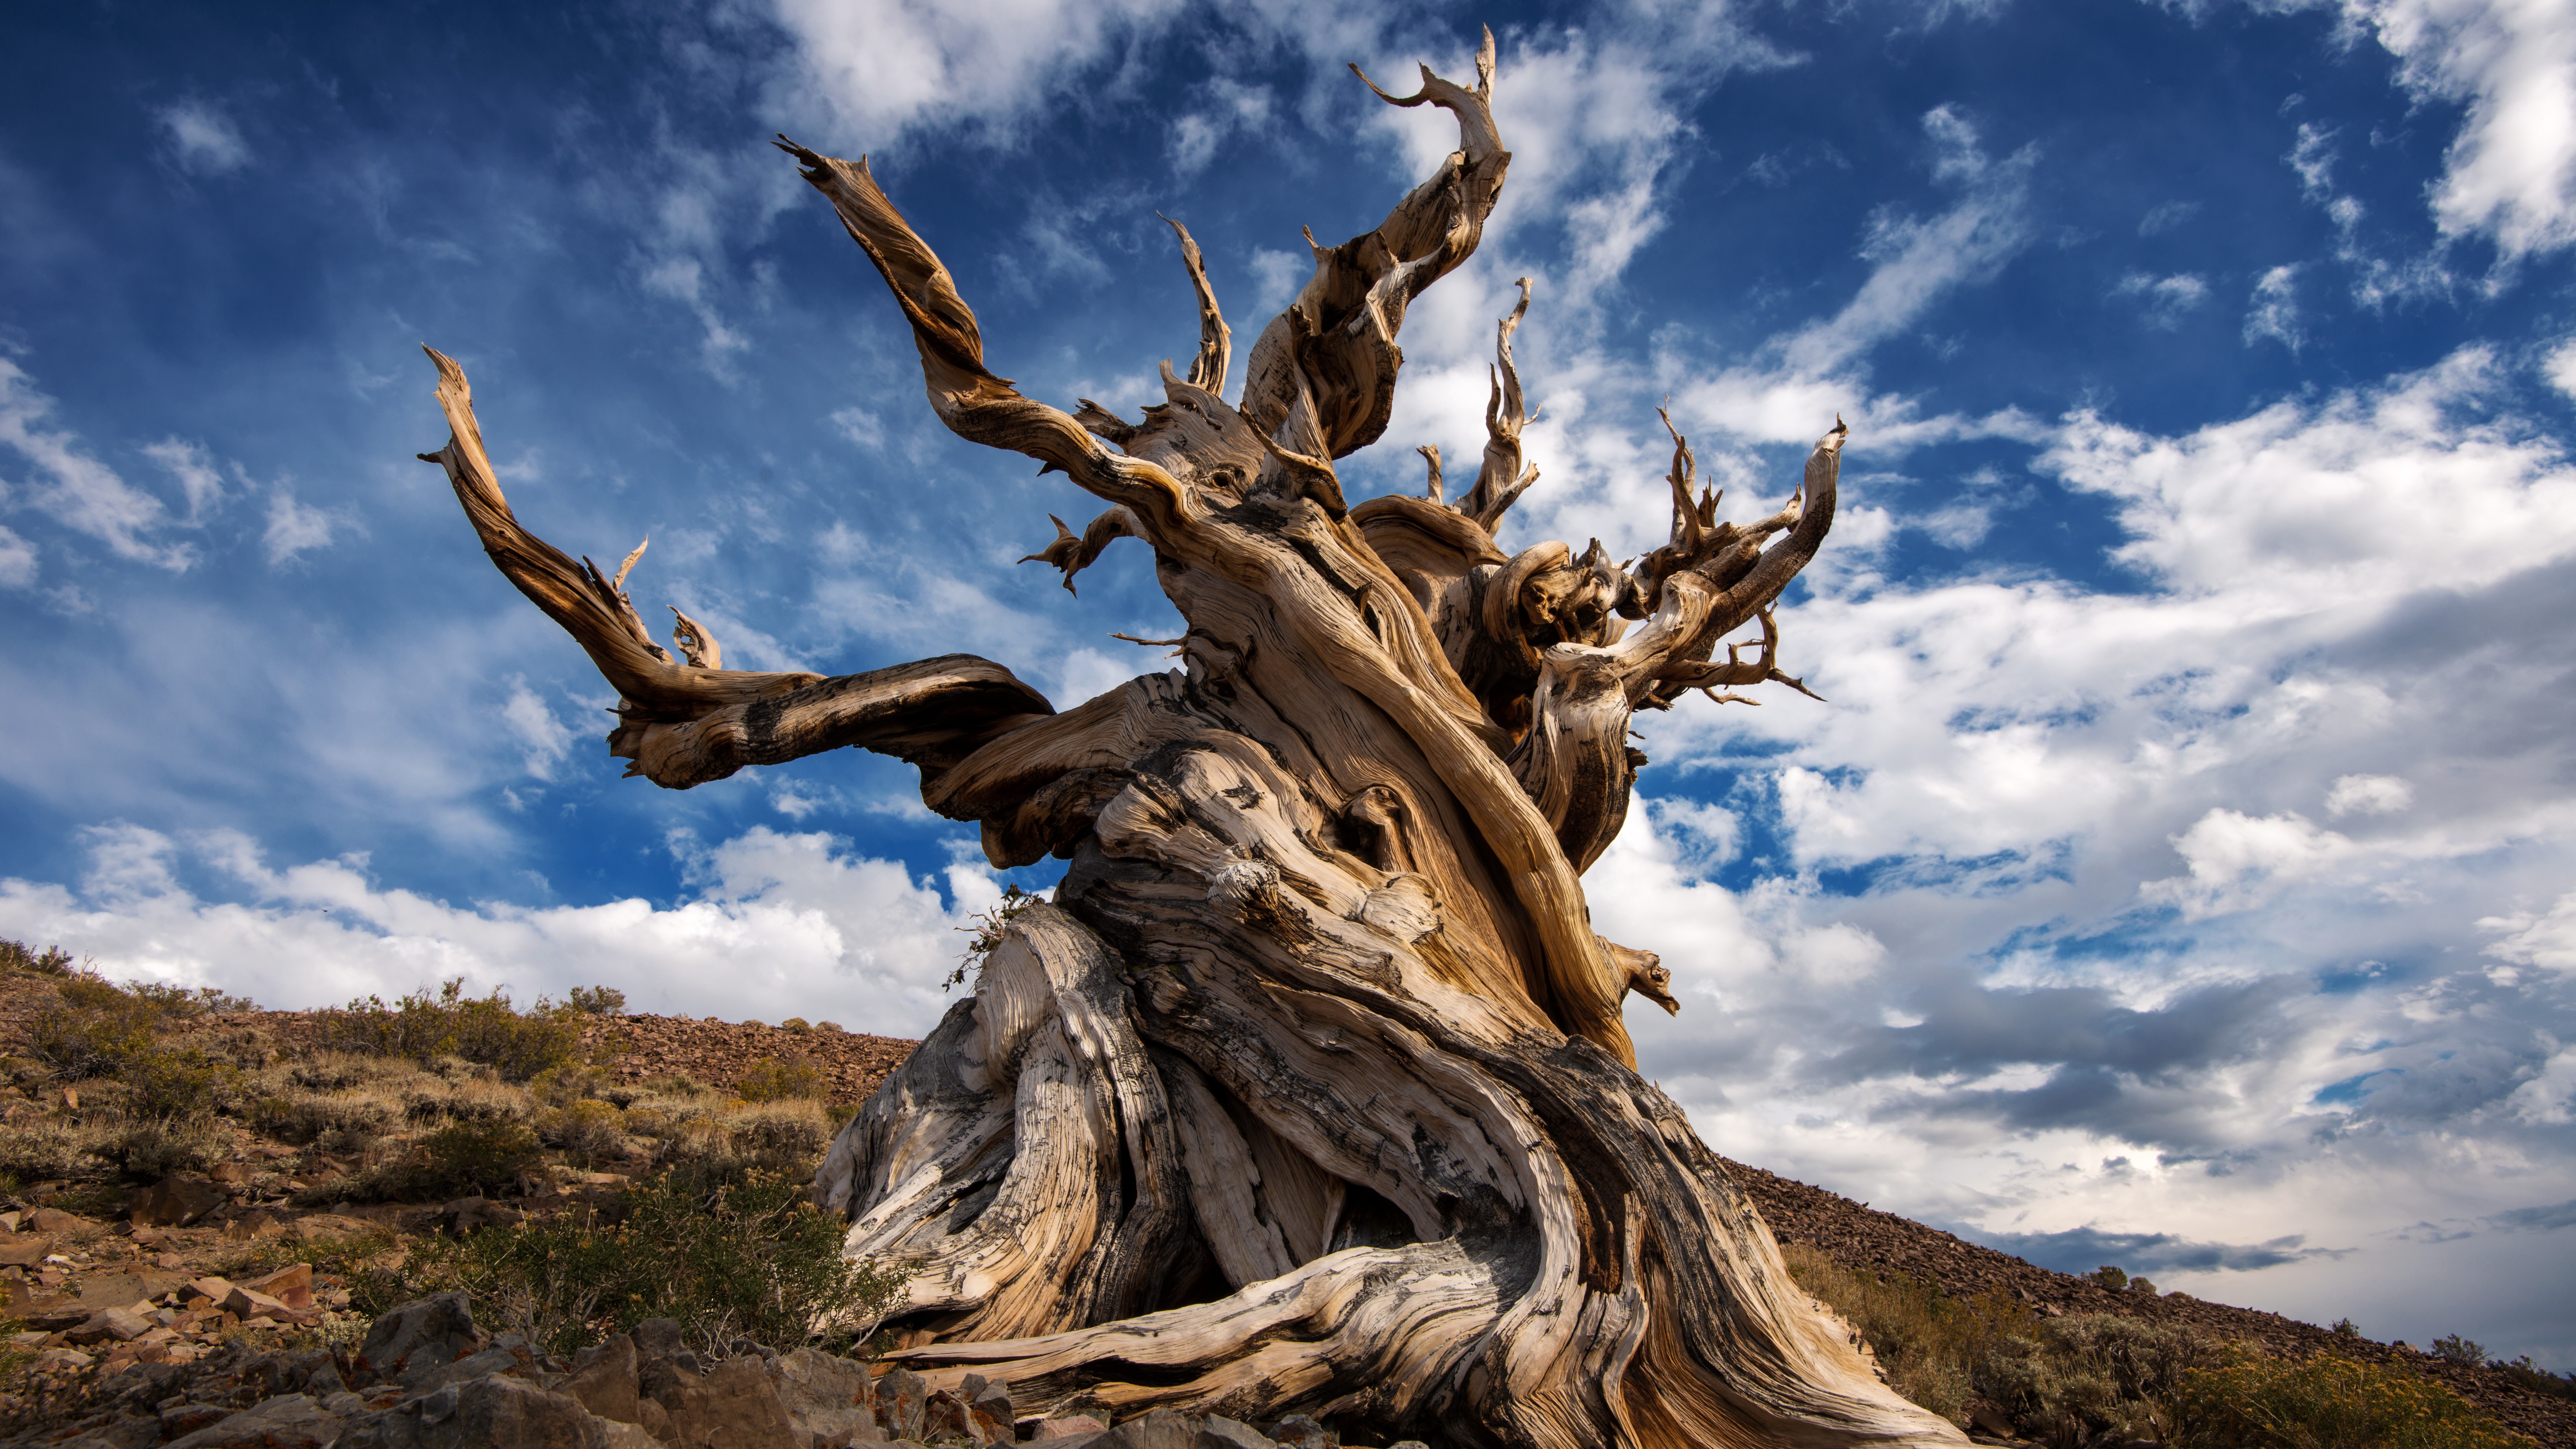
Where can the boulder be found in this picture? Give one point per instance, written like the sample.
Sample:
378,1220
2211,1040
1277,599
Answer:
731,1406
603,1379
1161,1429
944,1419
122,1325
54,1220
24,1250
181,1420
175,1202
291,1285
1070,1426
491,1412
416,1339
289,1421
901,1396
211,1288
1223,1433
1297,1431
991,1398
244,1304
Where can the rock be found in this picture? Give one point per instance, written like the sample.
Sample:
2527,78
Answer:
129,1432
291,1285
603,1379
1161,1429
1223,1433
514,1362
731,1406
656,1420
1300,1432
491,1412
992,1398
839,1428
24,1251
54,1220
829,1398
1068,1427
944,1418
416,1339
211,1288
900,1399
121,1324
244,1304
628,1436
180,1420
176,1202
289,1421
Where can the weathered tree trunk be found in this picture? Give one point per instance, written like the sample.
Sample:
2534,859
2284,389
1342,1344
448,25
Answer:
1309,1089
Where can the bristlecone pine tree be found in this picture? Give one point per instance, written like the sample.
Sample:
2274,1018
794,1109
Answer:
1308,1089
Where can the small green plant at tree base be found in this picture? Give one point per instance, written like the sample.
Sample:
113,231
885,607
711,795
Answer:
773,1080
751,1259
2326,1402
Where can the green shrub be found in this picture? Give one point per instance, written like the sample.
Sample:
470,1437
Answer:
467,1158
154,1147
1931,1346
2110,1277
565,1085
2329,1403
177,1082
2346,1328
586,1130
596,1000
2099,1378
36,1149
747,1260
772,1080
2460,1351
2537,1379
332,1122
17,959
795,1023
485,1030
93,1031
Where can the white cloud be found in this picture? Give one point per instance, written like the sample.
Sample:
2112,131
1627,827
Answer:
781,925
199,481
2275,309
2239,861
2368,795
543,738
295,527
202,138
878,67
75,489
2511,171
2560,367
17,561
2166,299
2527,939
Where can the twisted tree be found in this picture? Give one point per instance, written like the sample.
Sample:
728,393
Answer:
1309,1088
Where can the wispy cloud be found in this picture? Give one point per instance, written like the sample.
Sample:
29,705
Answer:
202,138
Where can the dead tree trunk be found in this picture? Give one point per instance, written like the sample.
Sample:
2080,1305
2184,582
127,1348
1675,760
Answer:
1309,1089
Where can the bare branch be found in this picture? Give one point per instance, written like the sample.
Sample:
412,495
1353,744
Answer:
1072,554
590,606
1431,455
1216,340
693,639
1504,477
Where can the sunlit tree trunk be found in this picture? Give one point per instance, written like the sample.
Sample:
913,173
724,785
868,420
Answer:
1309,1087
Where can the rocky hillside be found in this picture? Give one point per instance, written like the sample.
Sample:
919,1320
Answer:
250,1252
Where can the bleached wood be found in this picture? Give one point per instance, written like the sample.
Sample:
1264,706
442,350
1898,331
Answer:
1309,1088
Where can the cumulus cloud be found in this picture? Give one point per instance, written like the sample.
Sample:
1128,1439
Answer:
2163,300
2510,173
779,926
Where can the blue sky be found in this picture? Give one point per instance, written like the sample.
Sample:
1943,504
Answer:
2179,875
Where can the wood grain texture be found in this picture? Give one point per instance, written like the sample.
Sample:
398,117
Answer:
1309,1088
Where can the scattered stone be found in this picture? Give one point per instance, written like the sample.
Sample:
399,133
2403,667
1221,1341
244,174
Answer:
1298,1431
1223,1433
119,1324
55,1220
901,1397
177,1202
1069,1426
414,1340
289,1421
603,1379
291,1285
491,1412
731,1406
180,1420
24,1251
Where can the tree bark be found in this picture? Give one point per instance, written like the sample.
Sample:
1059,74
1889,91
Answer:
1309,1088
